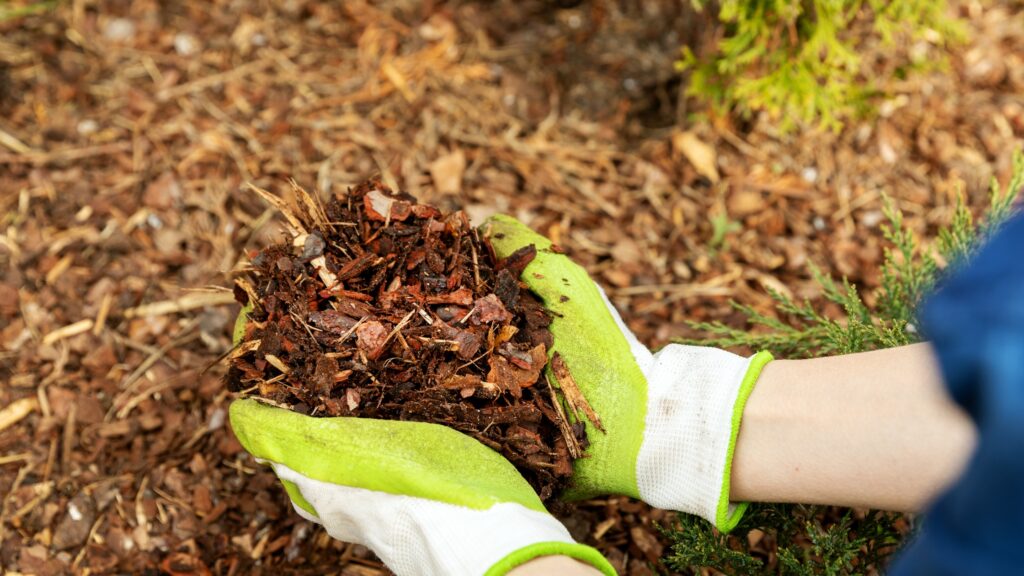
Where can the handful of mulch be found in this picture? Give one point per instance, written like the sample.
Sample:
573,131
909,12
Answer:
379,307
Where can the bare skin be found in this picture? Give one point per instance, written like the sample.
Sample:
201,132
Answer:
560,565
873,430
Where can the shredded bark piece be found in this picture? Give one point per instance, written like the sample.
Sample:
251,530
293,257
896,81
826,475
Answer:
571,391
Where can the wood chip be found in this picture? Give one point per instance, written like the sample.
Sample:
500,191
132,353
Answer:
15,411
68,331
101,314
571,391
575,450
700,155
277,363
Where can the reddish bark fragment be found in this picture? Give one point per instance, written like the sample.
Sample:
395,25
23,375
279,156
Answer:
460,381
371,336
425,211
524,441
332,321
519,260
323,375
352,398
462,297
490,309
381,207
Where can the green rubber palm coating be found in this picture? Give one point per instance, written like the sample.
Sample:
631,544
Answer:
597,354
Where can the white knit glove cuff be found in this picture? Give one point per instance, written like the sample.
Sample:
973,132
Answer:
695,398
693,409
420,536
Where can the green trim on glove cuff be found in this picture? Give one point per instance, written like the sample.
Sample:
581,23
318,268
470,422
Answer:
596,352
411,458
725,521
580,552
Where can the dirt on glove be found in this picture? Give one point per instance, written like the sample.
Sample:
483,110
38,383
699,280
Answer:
380,307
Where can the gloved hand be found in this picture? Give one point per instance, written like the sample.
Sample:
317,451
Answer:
425,498
671,419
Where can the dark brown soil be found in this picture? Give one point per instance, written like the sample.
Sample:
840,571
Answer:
380,307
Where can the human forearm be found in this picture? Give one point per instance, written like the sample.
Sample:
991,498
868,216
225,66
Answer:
874,429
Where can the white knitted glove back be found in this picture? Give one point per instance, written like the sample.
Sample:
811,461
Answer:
420,536
695,398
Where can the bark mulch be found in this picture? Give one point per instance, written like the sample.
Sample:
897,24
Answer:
128,133
380,307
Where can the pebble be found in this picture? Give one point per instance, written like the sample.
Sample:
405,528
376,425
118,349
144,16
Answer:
119,30
73,529
185,44
313,246
87,127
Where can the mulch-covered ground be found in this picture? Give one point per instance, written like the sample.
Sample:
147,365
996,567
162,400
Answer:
128,131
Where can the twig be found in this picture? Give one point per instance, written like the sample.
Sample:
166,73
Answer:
189,301
16,411
8,140
573,397
211,80
282,206
101,315
66,155
68,331
563,424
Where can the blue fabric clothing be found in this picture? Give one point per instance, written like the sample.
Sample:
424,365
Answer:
976,323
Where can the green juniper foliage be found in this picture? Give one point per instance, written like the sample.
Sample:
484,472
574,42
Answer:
818,539
798,60
10,10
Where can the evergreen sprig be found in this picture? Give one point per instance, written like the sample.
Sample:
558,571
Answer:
798,60
812,540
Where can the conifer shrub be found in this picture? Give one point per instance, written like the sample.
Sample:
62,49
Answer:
800,60
821,539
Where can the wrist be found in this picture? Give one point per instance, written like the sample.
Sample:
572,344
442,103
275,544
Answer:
561,565
695,405
553,558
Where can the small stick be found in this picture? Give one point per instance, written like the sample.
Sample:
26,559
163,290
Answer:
15,411
69,439
187,302
277,363
397,327
577,402
563,424
282,206
68,331
476,264
101,315
426,317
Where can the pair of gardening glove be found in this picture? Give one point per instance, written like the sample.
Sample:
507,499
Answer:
430,500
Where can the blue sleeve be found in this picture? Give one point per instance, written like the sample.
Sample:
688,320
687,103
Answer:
976,323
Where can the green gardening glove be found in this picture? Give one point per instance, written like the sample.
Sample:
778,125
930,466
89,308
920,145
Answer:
425,498
670,419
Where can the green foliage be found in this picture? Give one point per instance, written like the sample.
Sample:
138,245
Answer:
798,60
721,225
799,330
811,540
10,11
829,540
